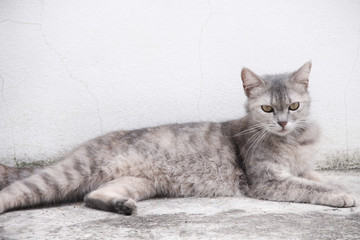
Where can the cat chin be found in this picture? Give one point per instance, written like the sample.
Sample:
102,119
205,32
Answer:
282,132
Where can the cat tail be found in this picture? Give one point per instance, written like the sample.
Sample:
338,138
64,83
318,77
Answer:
9,175
67,180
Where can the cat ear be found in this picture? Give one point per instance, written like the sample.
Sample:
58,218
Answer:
251,81
301,76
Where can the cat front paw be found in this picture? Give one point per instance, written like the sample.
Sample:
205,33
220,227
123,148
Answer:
125,206
342,200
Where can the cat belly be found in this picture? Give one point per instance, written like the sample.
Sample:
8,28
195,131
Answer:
187,178
181,160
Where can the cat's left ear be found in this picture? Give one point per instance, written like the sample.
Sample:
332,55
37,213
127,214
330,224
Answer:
301,76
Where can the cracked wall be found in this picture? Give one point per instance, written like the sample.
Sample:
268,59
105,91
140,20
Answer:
72,70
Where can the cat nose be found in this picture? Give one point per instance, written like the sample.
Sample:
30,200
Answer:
282,124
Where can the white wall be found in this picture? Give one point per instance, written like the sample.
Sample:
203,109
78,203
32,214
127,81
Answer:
72,70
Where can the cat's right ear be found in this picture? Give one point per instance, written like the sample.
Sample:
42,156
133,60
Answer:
251,81
301,76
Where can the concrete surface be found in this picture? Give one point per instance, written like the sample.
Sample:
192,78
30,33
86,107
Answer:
192,218
73,70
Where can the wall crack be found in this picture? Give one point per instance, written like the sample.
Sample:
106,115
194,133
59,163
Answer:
70,74
9,117
19,22
200,55
345,96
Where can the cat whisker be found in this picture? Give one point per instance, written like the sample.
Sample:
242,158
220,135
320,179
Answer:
260,140
249,130
250,140
253,140
257,141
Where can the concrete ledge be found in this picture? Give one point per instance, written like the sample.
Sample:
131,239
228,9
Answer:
192,218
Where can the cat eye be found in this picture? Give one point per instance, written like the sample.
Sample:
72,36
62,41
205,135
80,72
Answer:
294,106
267,108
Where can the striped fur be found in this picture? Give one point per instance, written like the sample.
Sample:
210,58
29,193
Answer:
254,156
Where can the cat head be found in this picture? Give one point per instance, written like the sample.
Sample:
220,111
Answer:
278,103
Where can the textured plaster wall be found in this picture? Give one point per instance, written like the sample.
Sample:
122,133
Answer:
72,70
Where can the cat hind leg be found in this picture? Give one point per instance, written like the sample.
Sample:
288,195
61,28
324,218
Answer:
120,195
9,175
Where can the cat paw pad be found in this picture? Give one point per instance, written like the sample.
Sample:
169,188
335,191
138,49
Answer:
125,206
342,200
349,201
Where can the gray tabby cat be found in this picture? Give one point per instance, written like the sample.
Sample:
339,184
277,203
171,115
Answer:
267,155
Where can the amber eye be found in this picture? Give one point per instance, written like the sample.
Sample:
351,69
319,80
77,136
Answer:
294,106
267,108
